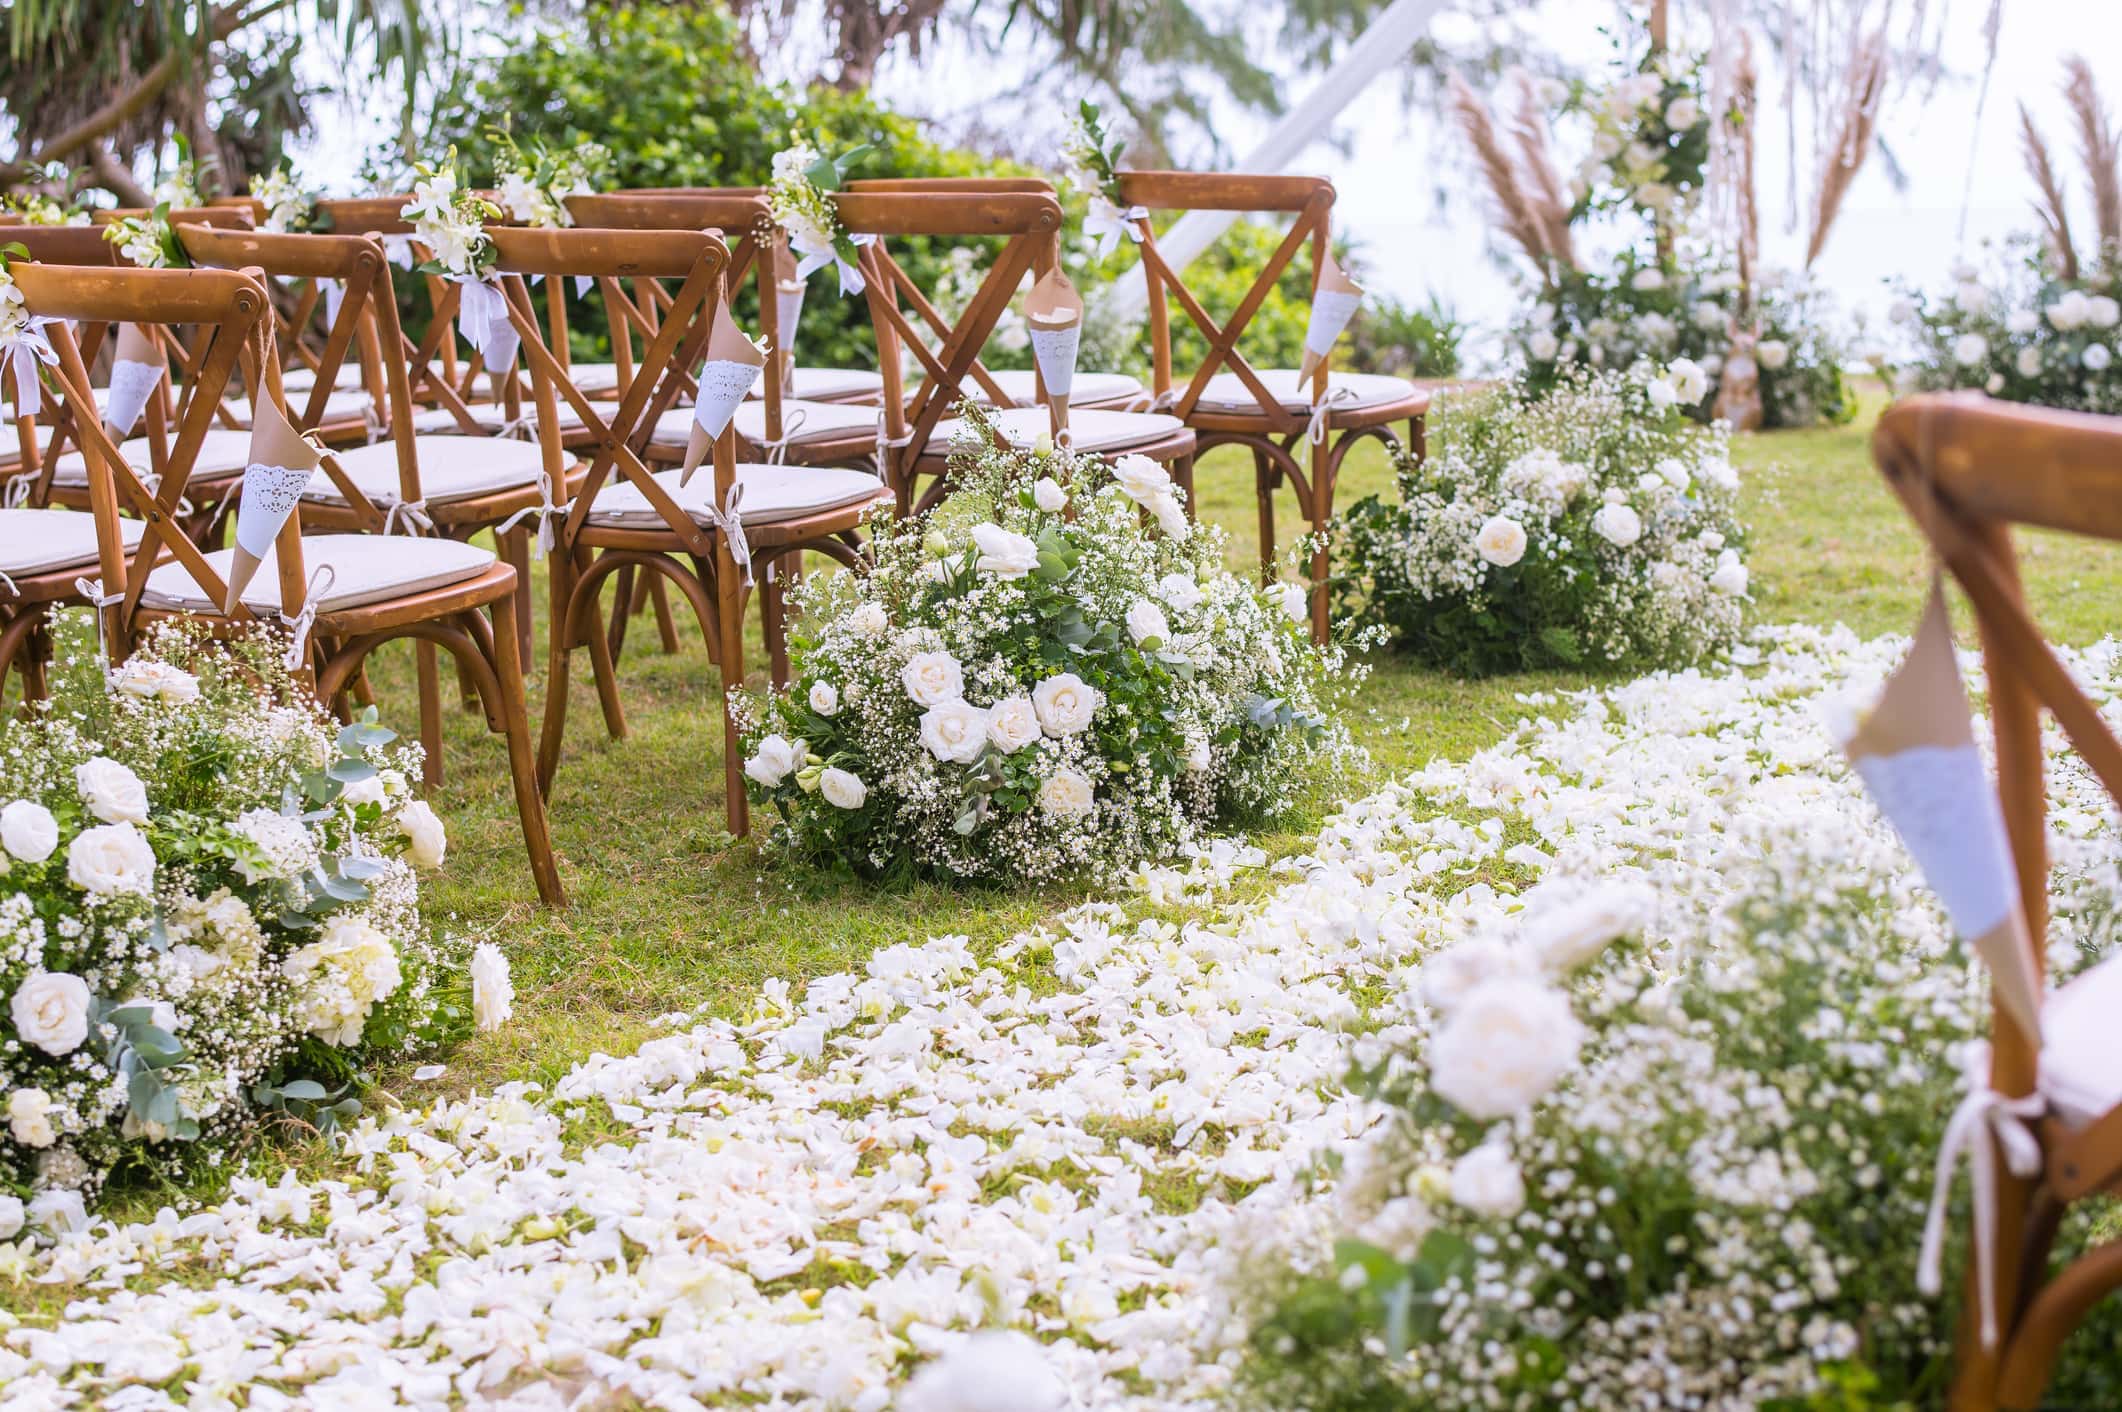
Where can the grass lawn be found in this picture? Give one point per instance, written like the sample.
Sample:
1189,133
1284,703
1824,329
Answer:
668,912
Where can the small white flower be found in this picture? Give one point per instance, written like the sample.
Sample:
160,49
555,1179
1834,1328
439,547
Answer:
112,792
1487,1182
843,789
954,731
1683,113
2029,362
29,1118
1542,346
1048,495
774,760
1730,579
493,992
824,698
426,840
1772,353
111,859
50,1011
28,831
1065,704
1501,541
1645,280
1618,525
1067,793
368,791
1181,592
1294,602
1004,553
1969,349
1661,393
1142,479
1146,623
1690,382
932,677
2096,357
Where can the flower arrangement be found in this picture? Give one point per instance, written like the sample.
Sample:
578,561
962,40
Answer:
2023,331
180,188
1048,672
1092,160
535,185
40,209
149,241
450,221
208,907
1650,138
800,196
289,205
1589,523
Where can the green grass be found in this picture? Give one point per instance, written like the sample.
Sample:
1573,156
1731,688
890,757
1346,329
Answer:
667,912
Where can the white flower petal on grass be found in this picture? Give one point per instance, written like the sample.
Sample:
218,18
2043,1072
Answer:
493,992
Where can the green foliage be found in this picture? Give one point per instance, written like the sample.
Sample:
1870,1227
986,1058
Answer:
1404,340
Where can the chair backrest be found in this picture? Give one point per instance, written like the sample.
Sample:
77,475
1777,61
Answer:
231,217
671,348
1309,199
1968,469
1028,224
229,311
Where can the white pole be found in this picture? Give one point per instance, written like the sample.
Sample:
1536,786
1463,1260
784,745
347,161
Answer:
1377,49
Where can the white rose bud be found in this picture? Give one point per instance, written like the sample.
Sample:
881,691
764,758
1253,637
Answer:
824,698
1048,495
1146,623
29,1118
426,840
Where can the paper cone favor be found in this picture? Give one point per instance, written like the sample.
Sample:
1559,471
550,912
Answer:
280,465
1334,303
1054,313
734,363
136,366
1916,753
788,306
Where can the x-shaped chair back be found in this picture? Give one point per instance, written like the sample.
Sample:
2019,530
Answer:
1968,469
1309,199
1028,223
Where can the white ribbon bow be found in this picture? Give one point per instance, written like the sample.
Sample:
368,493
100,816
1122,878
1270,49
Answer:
18,491
1106,223
98,600
544,510
777,451
413,512
817,253
1322,409
888,444
320,583
30,346
9,584
731,524
482,317
1985,1121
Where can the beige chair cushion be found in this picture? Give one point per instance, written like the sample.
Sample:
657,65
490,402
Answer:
1088,430
800,422
366,568
451,468
830,384
770,494
339,407
39,541
1226,392
225,452
1019,386
2081,1046
493,417
294,380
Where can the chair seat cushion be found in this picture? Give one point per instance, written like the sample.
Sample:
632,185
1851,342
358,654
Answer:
827,384
39,541
770,494
294,380
493,417
366,568
801,421
594,379
1019,386
339,407
451,468
1227,392
1088,430
2081,1044
224,452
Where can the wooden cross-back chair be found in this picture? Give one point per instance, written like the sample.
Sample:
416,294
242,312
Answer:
708,537
1296,432
1968,469
342,595
919,427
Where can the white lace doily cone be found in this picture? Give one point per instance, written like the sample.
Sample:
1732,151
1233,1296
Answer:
788,313
1055,349
281,464
723,383
1334,303
131,385
1916,753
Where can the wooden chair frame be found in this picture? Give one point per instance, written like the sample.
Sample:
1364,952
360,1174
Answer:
1968,469
1273,434
233,309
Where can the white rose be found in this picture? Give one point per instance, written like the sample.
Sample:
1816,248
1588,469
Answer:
368,791
1543,346
825,698
1142,479
150,681
2029,362
932,677
1146,623
111,858
12,1216
954,731
1673,471
843,789
29,1118
1170,515
1711,540
869,620
1618,525
992,1371
1065,704
1690,382
112,792
1970,349
1644,281
2102,311
1709,314
1971,296
1721,474
2022,322
1067,793
1487,1182
1503,1047
2096,357
1048,495
1013,723
28,831
1294,602
1661,393
1455,972
50,1011
1181,592
2070,311
58,1212
426,841
493,993
1501,541
1004,553
1683,112
774,760
1574,929
1771,353
1730,578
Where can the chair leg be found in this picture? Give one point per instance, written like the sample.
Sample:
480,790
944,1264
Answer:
600,661
559,654
1321,515
364,691
36,656
773,622
515,548
1266,475
624,605
522,767
729,617
430,713
1183,473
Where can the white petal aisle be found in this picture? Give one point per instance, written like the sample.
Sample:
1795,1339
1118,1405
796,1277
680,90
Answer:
1081,1136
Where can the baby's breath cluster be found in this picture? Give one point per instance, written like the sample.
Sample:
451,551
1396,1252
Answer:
1589,523
1050,671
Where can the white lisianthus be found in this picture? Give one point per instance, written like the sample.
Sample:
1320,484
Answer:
2096,357
1067,793
2071,311
1673,471
50,1011
1771,353
1065,704
774,760
1690,382
843,789
426,840
493,992
824,698
13,1216
1645,280
1501,541
1617,524
1291,598
112,792
1170,515
149,680
1141,479
111,859
1003,553
1542,346
29,1117
1013,723
1503,1047
28,831
1487,1182
1969,349
368,791
1181,592
1146,623
931,678
2029,362
2021,322
954,731
1048,495
869,620
1574,929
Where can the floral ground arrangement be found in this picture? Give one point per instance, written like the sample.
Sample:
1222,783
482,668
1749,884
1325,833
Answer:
1105,1136
209,913
1051,672
1583,521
